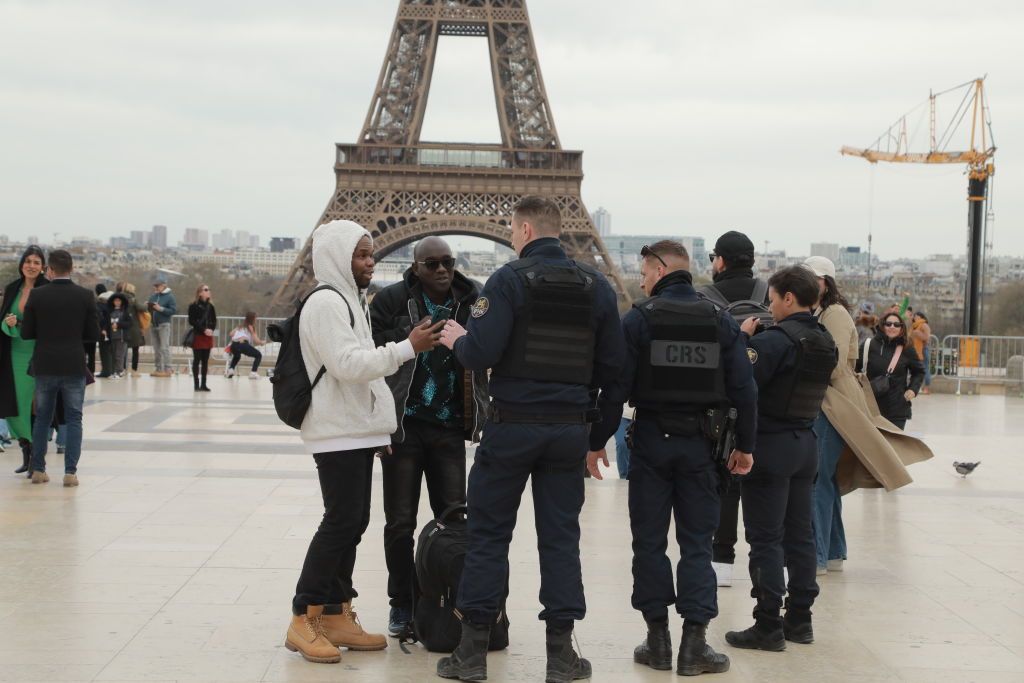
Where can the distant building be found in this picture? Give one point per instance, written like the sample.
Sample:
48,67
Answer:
256,261
602,221
225,239
159,238
852,258
254,242
33,239
141,238
196,239
829,250
279,244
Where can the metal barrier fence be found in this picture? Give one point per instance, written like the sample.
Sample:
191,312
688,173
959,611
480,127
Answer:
975,358
221,336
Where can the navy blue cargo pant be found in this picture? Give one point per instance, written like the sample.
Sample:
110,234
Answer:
553,457
673,474
777,511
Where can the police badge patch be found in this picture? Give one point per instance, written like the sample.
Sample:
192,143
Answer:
752,355
481,307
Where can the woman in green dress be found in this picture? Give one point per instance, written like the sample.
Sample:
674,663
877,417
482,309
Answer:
17,388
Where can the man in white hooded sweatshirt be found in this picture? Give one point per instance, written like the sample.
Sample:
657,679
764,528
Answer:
351,416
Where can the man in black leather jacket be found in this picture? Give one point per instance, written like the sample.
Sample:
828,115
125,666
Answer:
440,406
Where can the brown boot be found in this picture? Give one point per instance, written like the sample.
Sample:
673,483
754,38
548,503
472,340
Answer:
344,630
306,635
40,477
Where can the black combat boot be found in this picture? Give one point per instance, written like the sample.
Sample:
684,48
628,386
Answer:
796,625
26,456
469,661
656,651
696,656
564,665
765,634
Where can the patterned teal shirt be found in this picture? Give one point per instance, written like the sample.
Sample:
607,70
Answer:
435,395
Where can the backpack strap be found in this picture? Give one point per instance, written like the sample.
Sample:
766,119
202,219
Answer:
760,293
867,349
895,359
351,322
716,297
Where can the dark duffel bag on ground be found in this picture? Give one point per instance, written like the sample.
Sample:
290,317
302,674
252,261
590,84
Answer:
440,554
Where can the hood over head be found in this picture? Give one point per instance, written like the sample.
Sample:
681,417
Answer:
333,246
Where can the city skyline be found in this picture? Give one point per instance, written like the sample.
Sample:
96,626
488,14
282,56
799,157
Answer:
682,131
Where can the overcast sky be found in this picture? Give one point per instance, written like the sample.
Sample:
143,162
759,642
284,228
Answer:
695,118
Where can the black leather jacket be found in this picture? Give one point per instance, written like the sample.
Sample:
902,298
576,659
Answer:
393,312
908,374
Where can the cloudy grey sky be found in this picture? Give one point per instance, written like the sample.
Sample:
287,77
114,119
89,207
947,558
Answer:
694,117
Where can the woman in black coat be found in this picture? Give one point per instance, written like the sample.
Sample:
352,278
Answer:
896,389
202,318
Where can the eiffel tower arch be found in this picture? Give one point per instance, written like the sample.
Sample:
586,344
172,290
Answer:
403,189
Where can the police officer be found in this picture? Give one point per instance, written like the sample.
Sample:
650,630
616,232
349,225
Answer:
732,266
548,328
683,358
793,361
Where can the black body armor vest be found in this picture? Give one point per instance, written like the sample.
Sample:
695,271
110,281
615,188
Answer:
682,365
553,339
797,394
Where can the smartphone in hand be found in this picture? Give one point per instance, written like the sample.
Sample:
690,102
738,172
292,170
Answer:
440,313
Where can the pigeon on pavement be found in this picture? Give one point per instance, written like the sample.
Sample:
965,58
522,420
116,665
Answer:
965,468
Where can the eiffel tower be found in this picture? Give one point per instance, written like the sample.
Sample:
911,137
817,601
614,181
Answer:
403,189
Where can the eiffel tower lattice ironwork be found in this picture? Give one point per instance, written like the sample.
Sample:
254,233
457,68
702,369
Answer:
402,189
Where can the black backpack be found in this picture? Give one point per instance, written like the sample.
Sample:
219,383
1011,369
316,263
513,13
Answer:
291,386
440,554
745,308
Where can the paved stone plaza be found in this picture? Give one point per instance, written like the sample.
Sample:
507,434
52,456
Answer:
176,558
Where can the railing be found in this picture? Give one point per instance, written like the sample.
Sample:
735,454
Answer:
980,358
461,156
221,336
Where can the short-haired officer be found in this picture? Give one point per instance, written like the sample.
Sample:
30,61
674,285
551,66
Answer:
793,361
549,329
684,358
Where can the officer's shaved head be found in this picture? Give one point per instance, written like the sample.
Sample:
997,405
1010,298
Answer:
540,212
668,253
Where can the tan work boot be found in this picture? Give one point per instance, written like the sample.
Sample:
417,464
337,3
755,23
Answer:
40,477
306,635
344,630
71,480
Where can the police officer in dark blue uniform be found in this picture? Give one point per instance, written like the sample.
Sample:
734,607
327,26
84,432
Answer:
685,360
793,361
549,329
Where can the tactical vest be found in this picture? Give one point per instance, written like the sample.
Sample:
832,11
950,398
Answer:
683,362
553,337
797,394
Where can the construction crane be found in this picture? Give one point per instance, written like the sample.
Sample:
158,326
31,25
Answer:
894,146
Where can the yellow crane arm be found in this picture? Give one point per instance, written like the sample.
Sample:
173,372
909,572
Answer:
974,158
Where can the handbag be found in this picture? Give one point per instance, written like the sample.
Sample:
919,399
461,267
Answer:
189,339
882,384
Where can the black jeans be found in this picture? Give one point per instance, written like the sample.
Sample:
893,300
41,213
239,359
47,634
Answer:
777,512
440,454
345,483
135,358
200,364
724,548
242,348
106,358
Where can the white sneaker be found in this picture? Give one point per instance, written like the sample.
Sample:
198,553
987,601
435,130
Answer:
254,375
835,565
230,373
821,571
723,572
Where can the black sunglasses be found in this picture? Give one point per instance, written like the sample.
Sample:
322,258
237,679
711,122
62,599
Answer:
892,324
448,263
646,251
712,256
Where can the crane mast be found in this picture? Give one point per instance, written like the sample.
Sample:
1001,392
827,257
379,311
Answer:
893,146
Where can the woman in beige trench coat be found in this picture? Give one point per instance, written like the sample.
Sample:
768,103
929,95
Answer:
857,447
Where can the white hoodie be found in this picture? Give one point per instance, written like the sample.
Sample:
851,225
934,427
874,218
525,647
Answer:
352,407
